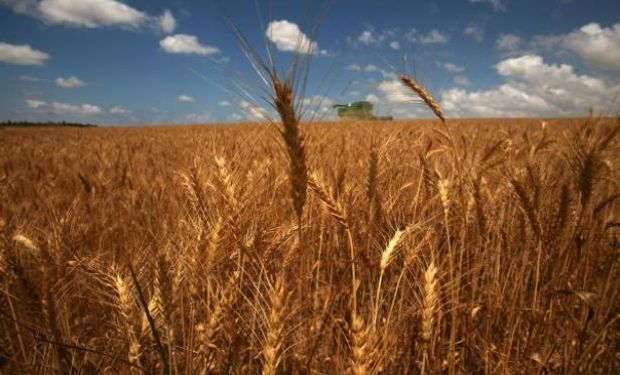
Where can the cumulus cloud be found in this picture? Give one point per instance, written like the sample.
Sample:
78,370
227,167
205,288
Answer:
21,6
235,117
395,92
167,22
318,106
118,110
288,37
372,98
28,78
224,103
371,37
353,67
198,118
453,68
34,104
90,13
69,82
186,99
254,112
64,109
366,37
461,81
432,37
21,55
498,5
598,46
77,110
508,42
532,88
186,44
475,32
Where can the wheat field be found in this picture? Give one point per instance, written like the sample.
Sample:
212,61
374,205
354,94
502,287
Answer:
405,247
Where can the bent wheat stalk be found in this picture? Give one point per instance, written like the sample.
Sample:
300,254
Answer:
423,93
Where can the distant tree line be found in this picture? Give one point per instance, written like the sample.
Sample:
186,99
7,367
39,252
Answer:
47,123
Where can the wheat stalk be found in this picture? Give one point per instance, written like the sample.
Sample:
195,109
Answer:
430,301
207,333
272,349
423,93
387,256
126,311
284,103
333,207
26,242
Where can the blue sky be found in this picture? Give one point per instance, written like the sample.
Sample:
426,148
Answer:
152,61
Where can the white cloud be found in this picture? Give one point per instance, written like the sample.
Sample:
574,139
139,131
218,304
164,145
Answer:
198,118
235,117
358,68
395,92
186,99
461,81
453,68
21,55
318,106
389,75
21,6
186,44
254,112
366,37
34,104
69,83
372,98
371,37
224,103
288,37
167,22
28,78
498,5
432,37
508,42
598,46
532,88
78,110
91,13
475,32
117,110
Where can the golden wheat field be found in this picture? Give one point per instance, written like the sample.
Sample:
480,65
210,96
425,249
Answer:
470,247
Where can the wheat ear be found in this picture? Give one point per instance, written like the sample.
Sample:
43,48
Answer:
423,93
430,302
333,207
272,349
361,346
284,102
126,311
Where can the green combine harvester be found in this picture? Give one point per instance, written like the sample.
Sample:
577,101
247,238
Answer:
358,111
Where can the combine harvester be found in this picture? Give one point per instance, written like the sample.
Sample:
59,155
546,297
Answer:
359,111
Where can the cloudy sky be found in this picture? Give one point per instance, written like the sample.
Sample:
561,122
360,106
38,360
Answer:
155,61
